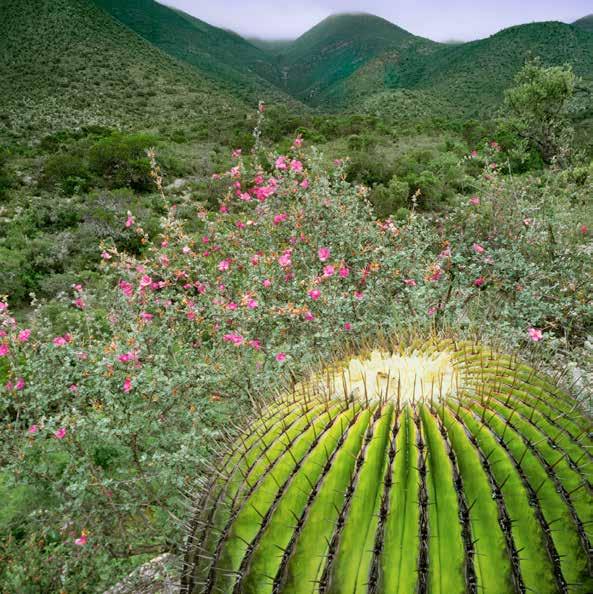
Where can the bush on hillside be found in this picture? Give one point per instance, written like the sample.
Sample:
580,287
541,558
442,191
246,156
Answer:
387,200
121,161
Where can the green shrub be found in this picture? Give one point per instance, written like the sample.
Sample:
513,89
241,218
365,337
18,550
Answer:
387,200
121,161
68,171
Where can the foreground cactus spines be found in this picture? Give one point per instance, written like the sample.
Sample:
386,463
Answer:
442,468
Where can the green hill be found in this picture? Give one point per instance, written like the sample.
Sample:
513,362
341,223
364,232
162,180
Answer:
227,58
471,76
272,46
585,23
67,64
339,46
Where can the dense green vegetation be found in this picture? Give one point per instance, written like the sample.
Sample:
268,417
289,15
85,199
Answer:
335,48
170,256
470,76
67,64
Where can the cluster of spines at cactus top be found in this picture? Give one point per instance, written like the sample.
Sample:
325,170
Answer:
475,476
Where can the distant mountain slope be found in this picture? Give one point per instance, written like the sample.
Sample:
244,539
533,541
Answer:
472,76
66,63
585,23
337,47
222,55
272,46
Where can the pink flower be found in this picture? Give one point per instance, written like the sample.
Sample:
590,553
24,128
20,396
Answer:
281,357
298,141
358,295
584,230
285,259
127,357
252,304
347,326
527,222
328,271
315,294
82,539
130,220
323,253
410,282
59,341
474,201
304,184
127,387
479,282
224,265
4,349
106,255
236,153
280,218
281,163
344,272
478,248
20,384
24,335
432,310
79,303
73,388
308,316
60,433
535,334
33,429
255,344
232,306
267,283
3,306
147,317
296,166
436,274
234,338
126,288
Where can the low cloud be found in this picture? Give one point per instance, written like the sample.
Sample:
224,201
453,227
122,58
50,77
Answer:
436,19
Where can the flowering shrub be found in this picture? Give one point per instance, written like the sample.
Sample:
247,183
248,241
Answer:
113,416
111,412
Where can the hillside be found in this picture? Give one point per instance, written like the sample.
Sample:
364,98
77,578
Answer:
472,76
227,58
66,64
272,46
337,47
586,23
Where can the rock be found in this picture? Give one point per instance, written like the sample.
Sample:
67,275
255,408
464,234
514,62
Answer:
154,577
177,184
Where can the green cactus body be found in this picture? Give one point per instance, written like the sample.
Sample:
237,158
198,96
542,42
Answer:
442,468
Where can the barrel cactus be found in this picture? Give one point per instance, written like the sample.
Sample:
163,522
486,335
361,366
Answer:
438,467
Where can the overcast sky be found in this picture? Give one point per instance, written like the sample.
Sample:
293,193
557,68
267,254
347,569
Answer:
440,20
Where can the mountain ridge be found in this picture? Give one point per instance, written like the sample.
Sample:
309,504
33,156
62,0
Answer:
223,56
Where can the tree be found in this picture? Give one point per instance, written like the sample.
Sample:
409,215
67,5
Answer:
537,107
